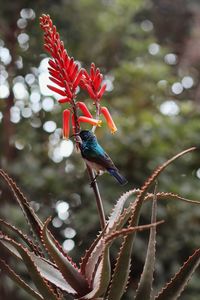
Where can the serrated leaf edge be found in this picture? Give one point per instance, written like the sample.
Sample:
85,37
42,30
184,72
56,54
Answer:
18,280
71,274
169,286
41,283
144,290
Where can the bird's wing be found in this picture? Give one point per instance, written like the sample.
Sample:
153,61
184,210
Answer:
98,156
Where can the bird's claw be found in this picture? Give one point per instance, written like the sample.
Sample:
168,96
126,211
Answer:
93,181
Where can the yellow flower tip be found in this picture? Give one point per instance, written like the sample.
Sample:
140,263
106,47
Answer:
113,130
99,123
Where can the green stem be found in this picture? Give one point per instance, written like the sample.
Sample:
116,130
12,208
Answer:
99,202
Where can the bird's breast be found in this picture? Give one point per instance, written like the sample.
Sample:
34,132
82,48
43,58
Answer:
95,166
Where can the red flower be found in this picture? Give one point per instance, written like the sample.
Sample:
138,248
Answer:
93,83
109,119
66,121
66,75
91,121
84,109
63,70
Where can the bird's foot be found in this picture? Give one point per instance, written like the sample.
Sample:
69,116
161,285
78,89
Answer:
93,181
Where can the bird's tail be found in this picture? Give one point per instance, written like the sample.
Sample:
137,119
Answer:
121,179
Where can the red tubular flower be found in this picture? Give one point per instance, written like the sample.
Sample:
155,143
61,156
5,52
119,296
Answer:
93,83
91,121
66,120
84,109
67,76
64,100
56,90
101,91
109,119
63,69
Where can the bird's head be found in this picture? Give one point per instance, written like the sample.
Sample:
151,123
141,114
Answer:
86,135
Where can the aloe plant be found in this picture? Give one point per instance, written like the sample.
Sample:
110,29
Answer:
54,274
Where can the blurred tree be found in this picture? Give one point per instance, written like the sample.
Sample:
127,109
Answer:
149,53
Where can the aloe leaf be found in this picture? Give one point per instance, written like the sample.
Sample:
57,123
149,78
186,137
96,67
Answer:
176,286
122,267
40,283
86,257
118,208
21,283
33,220
140,198
91,259
121,271
130,230
101,277
97,270
144,290
20,234
52,274
71,273
117,224
171,196
123,218
47,269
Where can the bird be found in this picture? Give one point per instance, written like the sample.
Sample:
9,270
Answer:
96,157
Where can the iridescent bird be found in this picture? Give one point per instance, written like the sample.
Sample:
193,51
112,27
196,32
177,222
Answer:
95,156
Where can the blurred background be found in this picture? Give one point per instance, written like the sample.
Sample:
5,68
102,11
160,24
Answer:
149,51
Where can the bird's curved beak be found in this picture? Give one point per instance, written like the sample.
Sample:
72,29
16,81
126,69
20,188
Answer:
77,138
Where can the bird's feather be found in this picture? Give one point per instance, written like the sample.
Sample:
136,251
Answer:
96,157
121,179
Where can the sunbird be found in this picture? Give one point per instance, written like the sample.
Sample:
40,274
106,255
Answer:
95,156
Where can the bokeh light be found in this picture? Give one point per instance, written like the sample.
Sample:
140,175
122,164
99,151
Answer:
169,108
49,126
68,245
62,208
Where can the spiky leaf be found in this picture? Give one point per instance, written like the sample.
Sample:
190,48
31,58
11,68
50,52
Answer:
32,219
92,256
101,276
21,235
170,196
47,269
177,284
41,284
21,283
88,253
114,217
122,267
71,273
145,285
